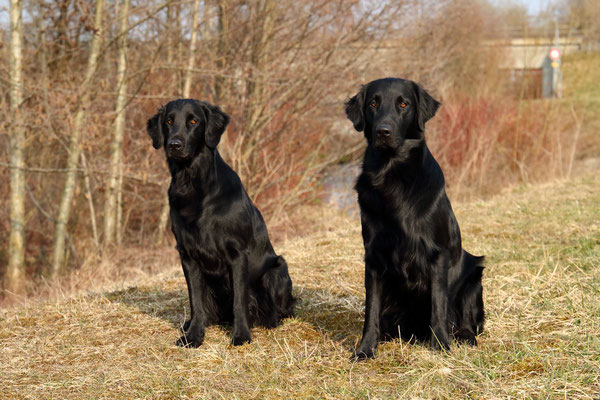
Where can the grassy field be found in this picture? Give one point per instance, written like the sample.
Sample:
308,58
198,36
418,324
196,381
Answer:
542,338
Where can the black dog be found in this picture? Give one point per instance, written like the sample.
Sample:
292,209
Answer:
232,273
419,281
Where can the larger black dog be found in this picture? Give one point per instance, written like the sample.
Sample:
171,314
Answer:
419,281
232,273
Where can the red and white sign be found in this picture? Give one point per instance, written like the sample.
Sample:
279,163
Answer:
554,54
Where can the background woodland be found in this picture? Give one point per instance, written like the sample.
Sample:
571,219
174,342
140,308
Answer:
83,190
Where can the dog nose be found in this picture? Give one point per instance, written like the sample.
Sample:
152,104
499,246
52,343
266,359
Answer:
175,144
383,130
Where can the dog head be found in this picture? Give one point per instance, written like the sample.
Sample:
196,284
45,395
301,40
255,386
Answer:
389,111
185,127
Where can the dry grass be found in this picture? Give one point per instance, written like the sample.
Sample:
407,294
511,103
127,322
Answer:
542,337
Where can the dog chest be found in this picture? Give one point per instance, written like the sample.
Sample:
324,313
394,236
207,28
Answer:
397,241
200,244
400,255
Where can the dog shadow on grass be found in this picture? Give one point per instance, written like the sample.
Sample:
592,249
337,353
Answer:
340,317
169,305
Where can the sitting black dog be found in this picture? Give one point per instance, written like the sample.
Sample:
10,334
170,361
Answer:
419,281
232,272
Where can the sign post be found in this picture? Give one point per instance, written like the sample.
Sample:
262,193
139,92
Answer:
554,56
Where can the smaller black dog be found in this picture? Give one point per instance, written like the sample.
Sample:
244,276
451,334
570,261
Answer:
419,281
232,272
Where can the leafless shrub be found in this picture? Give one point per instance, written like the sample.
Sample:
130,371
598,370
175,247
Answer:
282,71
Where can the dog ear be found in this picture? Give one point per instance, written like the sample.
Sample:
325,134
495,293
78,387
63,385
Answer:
216,122
154,128
427,106
354,109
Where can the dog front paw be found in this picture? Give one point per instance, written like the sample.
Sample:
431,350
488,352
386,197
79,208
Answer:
364,352
191,339
439,342
186,325
466,336
240,336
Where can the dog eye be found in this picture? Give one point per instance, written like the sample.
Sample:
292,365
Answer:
169,121
192,121
403,105
373,103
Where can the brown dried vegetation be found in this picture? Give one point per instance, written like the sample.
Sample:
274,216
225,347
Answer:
282,71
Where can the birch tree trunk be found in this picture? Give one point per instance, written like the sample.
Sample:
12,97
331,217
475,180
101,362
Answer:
222,48
162,220
187,83
90,199
64,211
111,203
15,271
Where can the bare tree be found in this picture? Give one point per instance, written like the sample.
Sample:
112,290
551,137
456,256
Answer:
583,15
281,70
263,20
64,211
187,84
222,46
280,65
112,205
15,271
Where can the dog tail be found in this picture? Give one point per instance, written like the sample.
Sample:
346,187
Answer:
277,301
473,291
